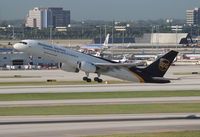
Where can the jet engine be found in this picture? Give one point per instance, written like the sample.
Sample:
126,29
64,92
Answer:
87,67
68,68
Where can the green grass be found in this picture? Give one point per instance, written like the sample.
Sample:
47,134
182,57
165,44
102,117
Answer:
101,109
162,134
96,95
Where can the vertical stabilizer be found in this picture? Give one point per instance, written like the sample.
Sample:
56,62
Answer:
105,44
161,65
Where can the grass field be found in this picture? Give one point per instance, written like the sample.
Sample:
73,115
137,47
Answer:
163,134
96,95
101,109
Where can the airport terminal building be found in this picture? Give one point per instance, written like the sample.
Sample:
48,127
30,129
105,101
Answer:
19,60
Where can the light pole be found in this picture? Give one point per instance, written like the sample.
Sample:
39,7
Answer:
123,36
50,33
69,27
99,33
198,36
50,27
13,30
105,31
176,34
152,32
82,25
112,33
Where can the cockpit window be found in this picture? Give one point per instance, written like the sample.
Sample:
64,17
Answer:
25,43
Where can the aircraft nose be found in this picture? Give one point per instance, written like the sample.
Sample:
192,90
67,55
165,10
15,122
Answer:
20,46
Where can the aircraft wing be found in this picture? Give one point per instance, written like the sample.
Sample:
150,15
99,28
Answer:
118,64
108,66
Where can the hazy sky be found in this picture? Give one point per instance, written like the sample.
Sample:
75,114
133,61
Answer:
103,9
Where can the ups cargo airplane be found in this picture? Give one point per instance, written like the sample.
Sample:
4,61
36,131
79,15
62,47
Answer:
74,61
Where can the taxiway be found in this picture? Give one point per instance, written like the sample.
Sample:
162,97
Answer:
75,126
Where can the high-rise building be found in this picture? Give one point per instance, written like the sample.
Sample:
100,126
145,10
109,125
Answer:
48,17
59,17
193,16
34,18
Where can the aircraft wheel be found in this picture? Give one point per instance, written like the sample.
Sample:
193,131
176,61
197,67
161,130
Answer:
89,80
100,80
85,78
96,79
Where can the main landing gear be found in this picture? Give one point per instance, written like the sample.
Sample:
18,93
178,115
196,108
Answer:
97,79
86,78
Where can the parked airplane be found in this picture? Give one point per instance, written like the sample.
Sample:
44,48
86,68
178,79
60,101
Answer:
123,60
74,61
95,47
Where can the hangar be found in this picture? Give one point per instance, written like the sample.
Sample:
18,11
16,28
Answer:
166,38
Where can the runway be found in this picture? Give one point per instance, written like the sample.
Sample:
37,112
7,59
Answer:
152,100
59,75
179,82
83,125
74,126
100,88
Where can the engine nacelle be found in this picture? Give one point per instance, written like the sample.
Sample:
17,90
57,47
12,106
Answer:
87,67
68,68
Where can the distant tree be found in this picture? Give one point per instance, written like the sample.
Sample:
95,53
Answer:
4,24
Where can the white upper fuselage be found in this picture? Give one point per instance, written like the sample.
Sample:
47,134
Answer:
71,57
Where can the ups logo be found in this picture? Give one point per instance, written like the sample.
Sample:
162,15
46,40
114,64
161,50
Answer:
164,64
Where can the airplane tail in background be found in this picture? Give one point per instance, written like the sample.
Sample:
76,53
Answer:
105,44
161,65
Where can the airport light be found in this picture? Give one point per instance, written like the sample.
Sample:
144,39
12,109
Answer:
13,30
50,27
198,36
105,30
176,35
112,34
50,33
69,26
152,31
82,25
99,32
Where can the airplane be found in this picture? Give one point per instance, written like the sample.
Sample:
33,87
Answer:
123,60
75,61
95,47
